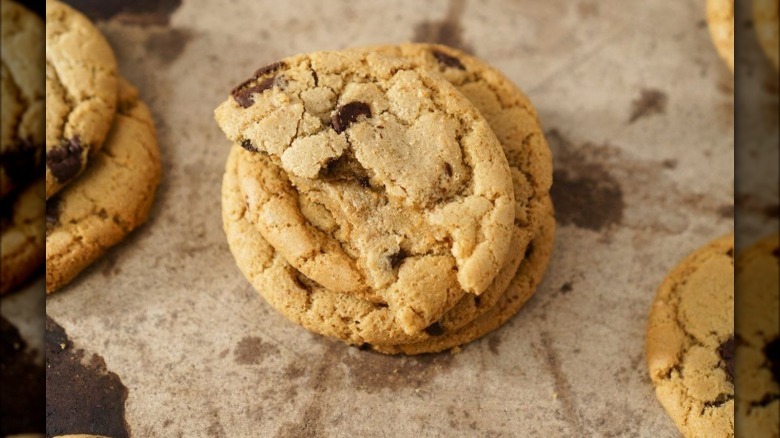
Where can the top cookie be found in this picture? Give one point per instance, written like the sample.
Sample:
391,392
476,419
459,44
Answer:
720,20
22,115
690,341
389,184
81,90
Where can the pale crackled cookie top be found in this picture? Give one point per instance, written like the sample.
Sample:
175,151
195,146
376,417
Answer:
720,21
21,235
758,339
81,89
113,196
22,80
387,181
690,342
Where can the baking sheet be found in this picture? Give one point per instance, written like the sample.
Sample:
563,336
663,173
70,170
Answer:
637,107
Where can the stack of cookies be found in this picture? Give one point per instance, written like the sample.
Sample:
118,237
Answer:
21,146
102,158
393,197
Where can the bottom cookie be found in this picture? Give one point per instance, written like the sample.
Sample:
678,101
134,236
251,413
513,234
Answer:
520,290
21,242
110,199
690,342
758,330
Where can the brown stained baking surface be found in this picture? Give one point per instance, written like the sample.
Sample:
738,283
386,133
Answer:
81,395
635,105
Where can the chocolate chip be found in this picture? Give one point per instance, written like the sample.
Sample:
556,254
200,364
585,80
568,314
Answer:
348,114
435,329
447,60
270,68
52,212
243,94
448,169
247,144
398,258
726,352
772,353
64,160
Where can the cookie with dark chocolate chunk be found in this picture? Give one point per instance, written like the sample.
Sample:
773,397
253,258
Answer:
690,341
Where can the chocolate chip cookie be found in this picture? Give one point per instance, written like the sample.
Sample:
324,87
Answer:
81,93
342,179
758,339
111,198
690,341
347,317
21,235
21,81
720,21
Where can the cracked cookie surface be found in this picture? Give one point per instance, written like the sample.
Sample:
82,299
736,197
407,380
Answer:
690,342
81,93
112,198
758,334
22,82
720,21
342,178
21,235
513,119
347,317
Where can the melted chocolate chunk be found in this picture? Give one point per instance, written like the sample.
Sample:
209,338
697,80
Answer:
348,114
247,144
447,60
243,93
64,160
52,212
345,169
398,258
22,390
772,353
270,68
726,353
435,329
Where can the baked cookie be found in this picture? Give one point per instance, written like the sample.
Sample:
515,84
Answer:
21,81
21,235
514,120
690,342
112,198
720,21
81,93
765,20
346,317
343,180
758,333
